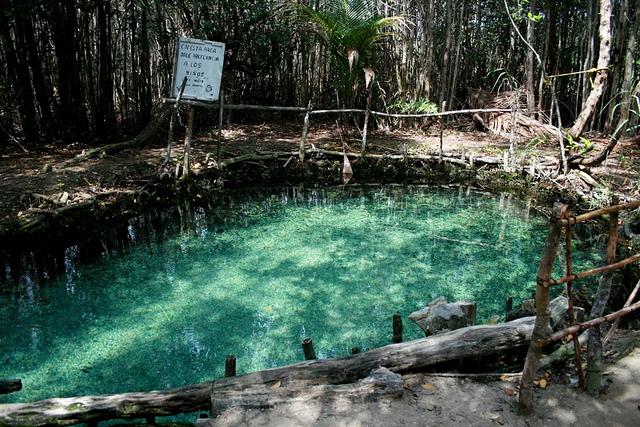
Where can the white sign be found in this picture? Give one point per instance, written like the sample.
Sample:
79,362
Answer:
200,61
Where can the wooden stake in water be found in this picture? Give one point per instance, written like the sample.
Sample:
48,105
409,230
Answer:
230,366
397,328
307,348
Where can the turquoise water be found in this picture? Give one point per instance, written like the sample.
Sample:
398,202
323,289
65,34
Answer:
254,278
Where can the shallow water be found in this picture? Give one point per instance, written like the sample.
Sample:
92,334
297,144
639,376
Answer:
254,278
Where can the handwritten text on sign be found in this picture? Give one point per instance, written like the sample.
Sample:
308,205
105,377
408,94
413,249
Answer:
201,62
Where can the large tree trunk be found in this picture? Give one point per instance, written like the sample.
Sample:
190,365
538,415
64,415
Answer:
627,80
404,357
20,80
600,82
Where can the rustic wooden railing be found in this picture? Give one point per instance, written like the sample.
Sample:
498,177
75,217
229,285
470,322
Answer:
562,219
308,112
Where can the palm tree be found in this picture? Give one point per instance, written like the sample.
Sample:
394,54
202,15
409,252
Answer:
352,30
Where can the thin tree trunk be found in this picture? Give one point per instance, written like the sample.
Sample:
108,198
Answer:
20,80
531,96
600,82
629,59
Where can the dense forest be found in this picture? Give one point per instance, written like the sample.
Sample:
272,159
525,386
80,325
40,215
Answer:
83,70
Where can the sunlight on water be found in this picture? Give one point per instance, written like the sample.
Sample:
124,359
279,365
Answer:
253,279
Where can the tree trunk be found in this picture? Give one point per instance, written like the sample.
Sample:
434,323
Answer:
531,96
20,80
627,81
600,82
105,113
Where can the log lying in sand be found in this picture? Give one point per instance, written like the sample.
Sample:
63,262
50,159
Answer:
466,342
380,382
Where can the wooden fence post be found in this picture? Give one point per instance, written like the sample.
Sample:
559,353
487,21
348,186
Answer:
220,123
441,121
305,132
594,345
307,348
568,231
541,328
397,328
187,142
230,366
174,114
365,128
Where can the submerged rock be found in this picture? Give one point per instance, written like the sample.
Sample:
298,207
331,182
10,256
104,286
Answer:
441,316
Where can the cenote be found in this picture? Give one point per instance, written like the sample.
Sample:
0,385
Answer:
253,278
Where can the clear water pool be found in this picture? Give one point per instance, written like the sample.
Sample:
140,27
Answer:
255,277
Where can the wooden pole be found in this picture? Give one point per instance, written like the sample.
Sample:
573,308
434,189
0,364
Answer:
365,128
632,297
512,142
508,306
174,114
397,328
572,316
594,345
9,386
541,329
230,366
220,124
305,132
444,107
187,142
595,271
307,348
576,329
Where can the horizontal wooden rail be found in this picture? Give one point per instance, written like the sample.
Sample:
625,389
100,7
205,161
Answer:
446,113
594,271
576,329
599,212
212,105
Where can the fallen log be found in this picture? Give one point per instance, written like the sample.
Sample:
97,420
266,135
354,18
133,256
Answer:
148,132
10,386
404,357
380,382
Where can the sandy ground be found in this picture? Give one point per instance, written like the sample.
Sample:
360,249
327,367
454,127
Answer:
437,401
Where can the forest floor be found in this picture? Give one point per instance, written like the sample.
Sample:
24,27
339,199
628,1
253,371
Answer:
458,402
24,178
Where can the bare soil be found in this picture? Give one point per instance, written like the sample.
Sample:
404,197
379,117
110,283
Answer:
437,401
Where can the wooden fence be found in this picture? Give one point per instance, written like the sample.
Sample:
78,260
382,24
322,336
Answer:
562,219
308,113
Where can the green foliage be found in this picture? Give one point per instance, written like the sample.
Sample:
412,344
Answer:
582,145
420,105
352,30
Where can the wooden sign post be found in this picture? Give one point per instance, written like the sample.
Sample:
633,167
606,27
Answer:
197,74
